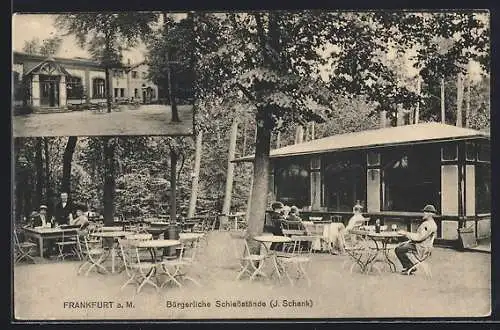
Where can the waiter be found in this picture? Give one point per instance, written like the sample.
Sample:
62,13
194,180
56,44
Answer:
63,211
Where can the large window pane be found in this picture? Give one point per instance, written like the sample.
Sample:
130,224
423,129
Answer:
345,181
412,178
483,188
483,153
74,88
292,179
449,152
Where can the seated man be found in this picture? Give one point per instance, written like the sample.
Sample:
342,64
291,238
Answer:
80,219
273,223
419,243
41,219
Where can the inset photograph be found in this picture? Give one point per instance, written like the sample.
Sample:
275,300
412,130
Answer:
100,74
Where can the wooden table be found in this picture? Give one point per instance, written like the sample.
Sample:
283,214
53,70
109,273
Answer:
272,254
111,236
43,234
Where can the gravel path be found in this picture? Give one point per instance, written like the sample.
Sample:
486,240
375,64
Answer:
460,287
147,120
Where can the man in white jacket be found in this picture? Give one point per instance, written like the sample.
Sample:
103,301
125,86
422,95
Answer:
419,244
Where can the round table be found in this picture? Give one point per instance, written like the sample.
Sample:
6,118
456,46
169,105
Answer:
381,240
152,245
111,229
111,236
270,253
139,237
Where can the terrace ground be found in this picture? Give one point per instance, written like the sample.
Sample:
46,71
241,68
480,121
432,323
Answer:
146,120
460,287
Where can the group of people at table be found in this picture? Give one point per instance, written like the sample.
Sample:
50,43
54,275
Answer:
415,248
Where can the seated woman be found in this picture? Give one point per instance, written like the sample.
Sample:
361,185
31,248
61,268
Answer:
80,219
293,221
357,219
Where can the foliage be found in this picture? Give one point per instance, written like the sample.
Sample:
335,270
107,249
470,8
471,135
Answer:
106,35
47,47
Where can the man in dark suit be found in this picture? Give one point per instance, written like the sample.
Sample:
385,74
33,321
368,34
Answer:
41,219
63,212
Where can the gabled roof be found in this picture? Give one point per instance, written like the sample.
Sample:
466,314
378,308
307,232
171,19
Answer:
375,138
49,65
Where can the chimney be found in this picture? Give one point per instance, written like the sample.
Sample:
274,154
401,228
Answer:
383,119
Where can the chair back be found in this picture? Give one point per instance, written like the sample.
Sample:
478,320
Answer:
298,246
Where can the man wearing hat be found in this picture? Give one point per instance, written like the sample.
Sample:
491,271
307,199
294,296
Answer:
41,219
419,244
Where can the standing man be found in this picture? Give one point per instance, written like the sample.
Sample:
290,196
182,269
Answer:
41,219
420,243
63,211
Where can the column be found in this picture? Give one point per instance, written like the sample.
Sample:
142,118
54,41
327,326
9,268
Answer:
86,86
315,178
272,190
62,92
374,189
35,90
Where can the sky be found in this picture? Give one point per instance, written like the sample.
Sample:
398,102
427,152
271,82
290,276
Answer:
25,27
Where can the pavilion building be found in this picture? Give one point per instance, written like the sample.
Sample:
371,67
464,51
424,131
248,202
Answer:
394,172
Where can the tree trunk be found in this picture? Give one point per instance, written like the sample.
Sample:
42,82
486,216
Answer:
443,113
467,104
19,183
260,186
299,134
173,183
109,181
264,127
243,153
171,93
460,98
39,171
226,207
278,140
109,90
67,160
313,129
383,119
417,106
196,175
48,183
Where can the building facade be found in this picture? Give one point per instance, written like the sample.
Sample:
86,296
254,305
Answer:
393,172
53,84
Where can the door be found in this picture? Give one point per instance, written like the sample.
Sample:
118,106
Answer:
49,91
144,96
